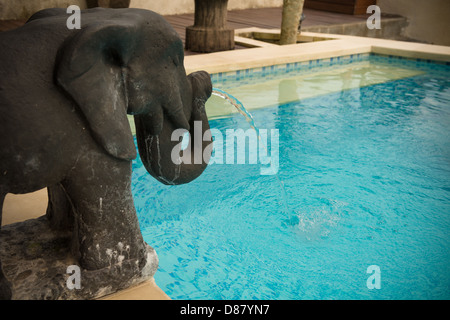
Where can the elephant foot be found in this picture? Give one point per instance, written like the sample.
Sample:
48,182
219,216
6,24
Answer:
38,263
118,276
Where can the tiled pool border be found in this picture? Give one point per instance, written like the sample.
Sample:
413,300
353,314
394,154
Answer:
275,71
238,75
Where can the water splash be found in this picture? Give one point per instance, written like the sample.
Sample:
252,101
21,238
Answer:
318,221
249,118
238,105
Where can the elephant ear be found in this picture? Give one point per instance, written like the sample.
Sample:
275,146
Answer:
92,70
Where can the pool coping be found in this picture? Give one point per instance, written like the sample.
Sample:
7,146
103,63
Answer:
335,46
32,205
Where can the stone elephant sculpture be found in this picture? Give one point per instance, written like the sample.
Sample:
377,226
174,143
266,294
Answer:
64,99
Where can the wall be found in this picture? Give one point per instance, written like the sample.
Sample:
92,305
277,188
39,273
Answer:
167,7
23,9
428,20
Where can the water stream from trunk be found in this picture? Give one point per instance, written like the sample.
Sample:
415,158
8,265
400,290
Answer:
249,118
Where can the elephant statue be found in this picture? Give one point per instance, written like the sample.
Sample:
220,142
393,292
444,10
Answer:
64,99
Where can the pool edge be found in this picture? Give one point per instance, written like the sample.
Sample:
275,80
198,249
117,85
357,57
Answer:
336,45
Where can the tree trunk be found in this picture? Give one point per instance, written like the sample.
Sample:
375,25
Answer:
209,32
292,11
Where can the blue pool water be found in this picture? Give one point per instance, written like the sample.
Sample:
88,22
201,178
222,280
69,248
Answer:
365,176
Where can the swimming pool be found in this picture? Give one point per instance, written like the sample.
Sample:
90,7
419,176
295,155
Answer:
363,180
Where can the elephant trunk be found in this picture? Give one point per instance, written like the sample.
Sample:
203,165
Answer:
161,151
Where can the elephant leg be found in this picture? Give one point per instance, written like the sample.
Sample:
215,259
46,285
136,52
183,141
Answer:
60,210
106,227
5,291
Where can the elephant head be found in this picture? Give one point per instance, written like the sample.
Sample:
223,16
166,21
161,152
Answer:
131,62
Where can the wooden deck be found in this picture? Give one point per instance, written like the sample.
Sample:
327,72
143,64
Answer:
269,18
263,18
